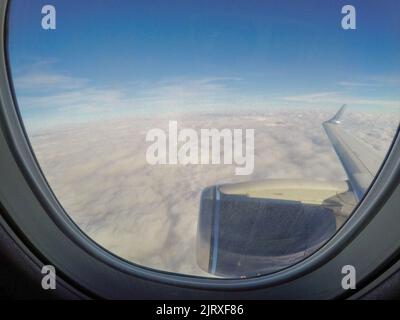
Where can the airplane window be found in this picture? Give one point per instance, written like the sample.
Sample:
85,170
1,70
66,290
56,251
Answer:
213,138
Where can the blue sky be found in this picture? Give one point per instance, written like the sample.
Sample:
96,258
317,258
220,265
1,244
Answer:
114,56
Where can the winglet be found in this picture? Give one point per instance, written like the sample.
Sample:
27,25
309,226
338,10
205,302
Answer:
337,119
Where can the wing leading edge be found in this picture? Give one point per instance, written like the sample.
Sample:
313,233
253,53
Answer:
360,161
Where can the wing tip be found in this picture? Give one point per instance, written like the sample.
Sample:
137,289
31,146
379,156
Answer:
337,118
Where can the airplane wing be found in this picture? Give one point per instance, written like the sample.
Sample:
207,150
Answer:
360,161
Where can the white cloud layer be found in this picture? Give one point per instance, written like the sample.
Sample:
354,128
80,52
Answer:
65,99
148,214
44,80
323,98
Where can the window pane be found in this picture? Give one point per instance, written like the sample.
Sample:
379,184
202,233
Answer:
207,137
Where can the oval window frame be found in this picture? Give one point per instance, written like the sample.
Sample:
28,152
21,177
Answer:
93,268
